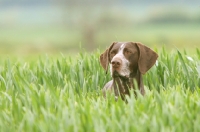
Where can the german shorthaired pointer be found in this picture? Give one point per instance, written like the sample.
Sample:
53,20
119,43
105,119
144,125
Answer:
128,61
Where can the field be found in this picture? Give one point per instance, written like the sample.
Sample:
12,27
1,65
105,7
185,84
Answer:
56,39
48,83
63,94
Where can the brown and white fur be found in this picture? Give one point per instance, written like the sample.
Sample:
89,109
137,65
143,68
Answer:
128,61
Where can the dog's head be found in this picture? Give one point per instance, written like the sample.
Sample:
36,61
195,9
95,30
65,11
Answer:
125,58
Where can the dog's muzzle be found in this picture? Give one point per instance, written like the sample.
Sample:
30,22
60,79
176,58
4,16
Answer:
116,75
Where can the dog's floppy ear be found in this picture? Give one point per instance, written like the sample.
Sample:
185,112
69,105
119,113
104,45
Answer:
147,58
104,58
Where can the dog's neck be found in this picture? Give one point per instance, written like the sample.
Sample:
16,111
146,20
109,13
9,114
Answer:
123,84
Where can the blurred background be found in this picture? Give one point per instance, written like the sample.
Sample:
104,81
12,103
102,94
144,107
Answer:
63,26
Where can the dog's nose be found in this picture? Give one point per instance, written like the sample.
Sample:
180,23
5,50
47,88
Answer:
116,63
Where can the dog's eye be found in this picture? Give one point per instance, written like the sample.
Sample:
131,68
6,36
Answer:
128,51
113,52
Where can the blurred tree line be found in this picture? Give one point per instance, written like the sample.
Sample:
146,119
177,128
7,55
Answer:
92,16
93,22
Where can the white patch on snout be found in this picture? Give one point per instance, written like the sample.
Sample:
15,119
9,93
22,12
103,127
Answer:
124,68
121,47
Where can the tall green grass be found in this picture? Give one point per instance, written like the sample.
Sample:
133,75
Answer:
64,95
175,69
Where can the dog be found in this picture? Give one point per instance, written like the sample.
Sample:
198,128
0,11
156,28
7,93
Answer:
128,61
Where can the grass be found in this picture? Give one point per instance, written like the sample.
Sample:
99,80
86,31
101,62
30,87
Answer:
64,94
